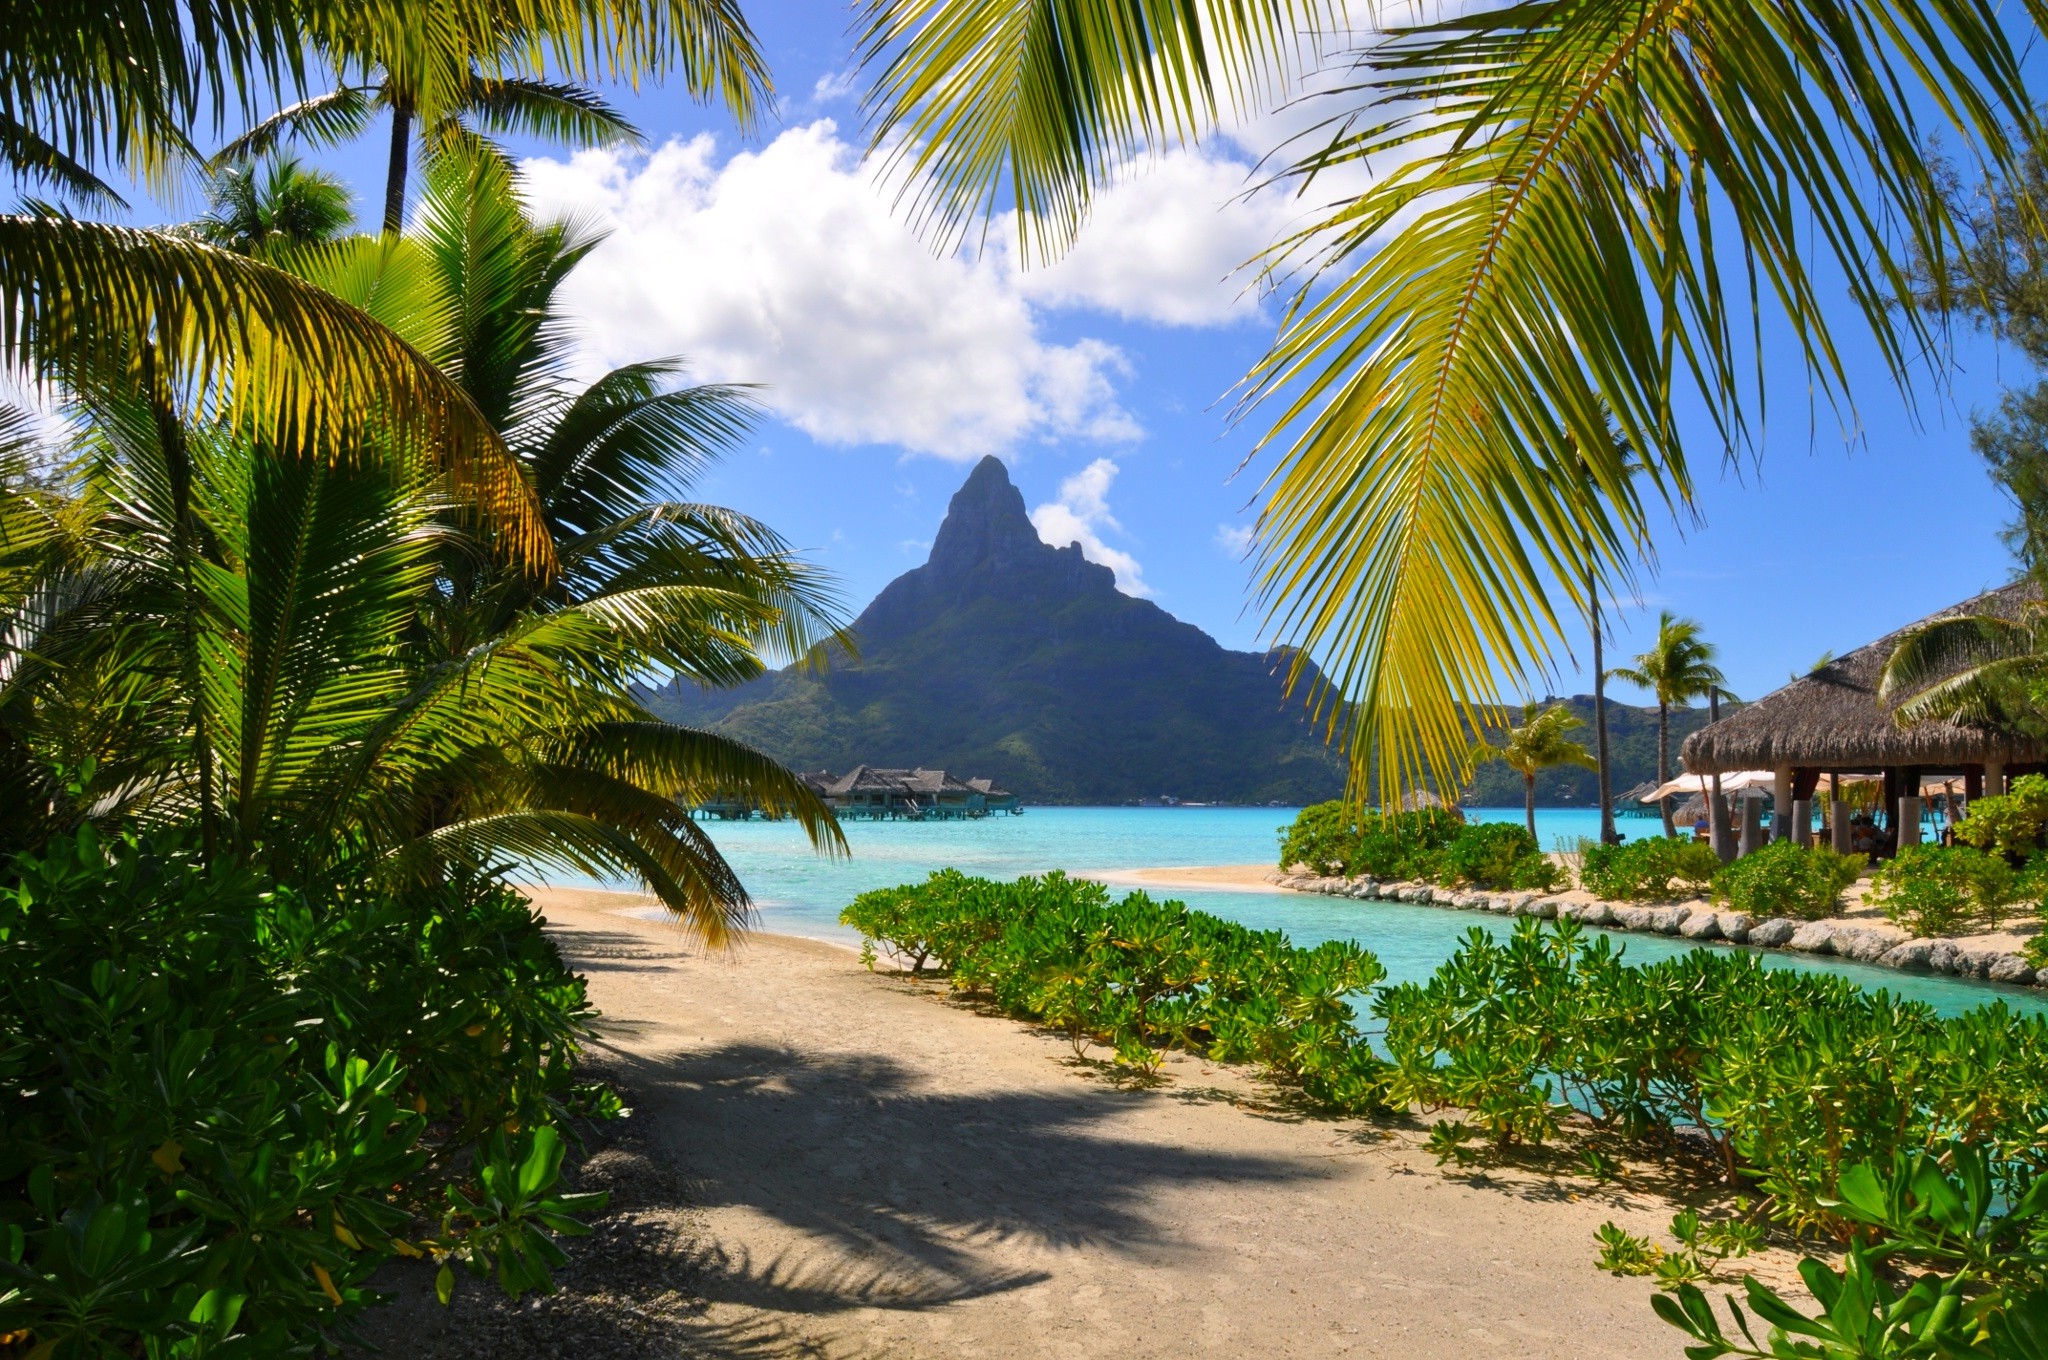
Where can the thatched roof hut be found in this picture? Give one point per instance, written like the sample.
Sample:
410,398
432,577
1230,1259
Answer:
1831,721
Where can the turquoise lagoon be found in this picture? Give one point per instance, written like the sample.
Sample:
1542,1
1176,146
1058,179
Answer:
798,892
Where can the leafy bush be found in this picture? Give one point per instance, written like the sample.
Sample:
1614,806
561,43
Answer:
1785,879
1431,844
1650,870
1498,855
228,1102
1941,889
1137,975
1788,1077
2009,824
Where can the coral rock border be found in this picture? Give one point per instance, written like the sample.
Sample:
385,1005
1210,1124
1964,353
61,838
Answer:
1701,923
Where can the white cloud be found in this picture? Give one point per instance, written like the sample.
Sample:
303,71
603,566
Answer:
1234,539
834,86
788,266
1081,515
1168,243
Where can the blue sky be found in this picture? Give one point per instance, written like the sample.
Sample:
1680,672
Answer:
1105,382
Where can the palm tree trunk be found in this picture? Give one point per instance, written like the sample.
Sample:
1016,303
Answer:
401,161
1664,761
1606,773
1529,803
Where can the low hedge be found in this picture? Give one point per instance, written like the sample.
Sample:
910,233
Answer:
1655,869
1805,883
1943,889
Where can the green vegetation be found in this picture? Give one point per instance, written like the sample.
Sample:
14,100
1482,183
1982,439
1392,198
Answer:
230,1099
1943,889
1139,976
1540,741
1784,1080
323,607
1430,844
1655,869
1805,883
2009,823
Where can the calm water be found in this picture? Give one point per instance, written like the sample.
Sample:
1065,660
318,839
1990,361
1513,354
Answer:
800,893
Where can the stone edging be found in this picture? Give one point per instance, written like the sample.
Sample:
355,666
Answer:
1702,923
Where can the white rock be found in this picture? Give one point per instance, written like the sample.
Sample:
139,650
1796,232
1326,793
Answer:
1815,937
2011,968
1774,933
1910,954
1701,925
1734,926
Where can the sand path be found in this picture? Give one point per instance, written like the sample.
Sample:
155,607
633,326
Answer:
882,1172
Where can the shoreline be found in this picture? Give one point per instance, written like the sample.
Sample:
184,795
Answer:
1256,878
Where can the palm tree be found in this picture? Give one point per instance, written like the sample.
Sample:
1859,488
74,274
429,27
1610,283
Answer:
1541,741
332,667
265,211
1678,668
1527,218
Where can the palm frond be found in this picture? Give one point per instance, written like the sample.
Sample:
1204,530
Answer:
305,367
340,115
1040,102
1935,650
552,110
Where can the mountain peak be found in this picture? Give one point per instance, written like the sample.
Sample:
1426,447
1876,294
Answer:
985,523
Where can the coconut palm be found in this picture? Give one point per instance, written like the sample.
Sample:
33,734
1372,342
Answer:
1542,740
1522,218
264,210
1678,668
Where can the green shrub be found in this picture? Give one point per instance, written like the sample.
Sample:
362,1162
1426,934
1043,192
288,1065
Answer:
1785,879
2009,824
1433,844
228,1102
1498,855
1789,1077
1137,976
1652,870
1941,889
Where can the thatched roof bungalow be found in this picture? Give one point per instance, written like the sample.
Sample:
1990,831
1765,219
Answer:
1831,723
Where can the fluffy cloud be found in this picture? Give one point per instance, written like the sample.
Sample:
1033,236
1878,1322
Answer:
1081,515
788,266
1170,242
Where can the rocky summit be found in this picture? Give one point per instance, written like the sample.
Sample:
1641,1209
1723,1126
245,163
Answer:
1008,656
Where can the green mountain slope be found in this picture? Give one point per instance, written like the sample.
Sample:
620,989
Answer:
1005,657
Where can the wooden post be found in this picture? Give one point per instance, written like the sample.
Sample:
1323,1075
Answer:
1781,803
1802,821
1838,825
1752,824
1994,777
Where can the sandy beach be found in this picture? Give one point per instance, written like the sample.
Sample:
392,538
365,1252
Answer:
874,1169
1233,877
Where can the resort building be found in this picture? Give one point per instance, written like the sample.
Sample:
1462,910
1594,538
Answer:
1828,743
915,795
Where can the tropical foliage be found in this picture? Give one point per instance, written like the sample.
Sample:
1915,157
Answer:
1803,882
1985,670
1429,844
1653,869
1943,889
2009,823
231,1099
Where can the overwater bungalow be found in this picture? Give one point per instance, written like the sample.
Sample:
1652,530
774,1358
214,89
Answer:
1827,729
871,793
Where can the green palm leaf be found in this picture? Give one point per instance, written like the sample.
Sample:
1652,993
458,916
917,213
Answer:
305,367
